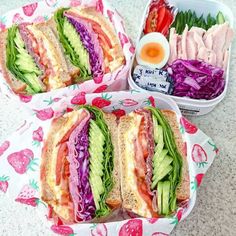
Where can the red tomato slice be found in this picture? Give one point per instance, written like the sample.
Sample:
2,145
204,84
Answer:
62,153
98,30
161,16
151,22
167,22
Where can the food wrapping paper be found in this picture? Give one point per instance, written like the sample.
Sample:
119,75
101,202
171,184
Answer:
41,11
20,161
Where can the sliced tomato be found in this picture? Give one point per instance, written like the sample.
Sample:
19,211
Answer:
142,188
61,155
161,16
97,28
151,22
167,22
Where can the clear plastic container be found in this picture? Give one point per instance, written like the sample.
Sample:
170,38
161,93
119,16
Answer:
189,106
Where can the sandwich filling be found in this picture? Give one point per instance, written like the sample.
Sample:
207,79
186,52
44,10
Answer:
157,163
77,185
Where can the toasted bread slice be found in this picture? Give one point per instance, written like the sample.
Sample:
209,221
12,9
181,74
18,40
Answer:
183,190
132,200
114,197
16,85
116,52
73,70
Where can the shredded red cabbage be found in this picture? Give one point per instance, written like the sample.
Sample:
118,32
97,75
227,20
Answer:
196,79
90,42
79,172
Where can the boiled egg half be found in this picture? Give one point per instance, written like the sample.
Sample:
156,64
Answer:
153,50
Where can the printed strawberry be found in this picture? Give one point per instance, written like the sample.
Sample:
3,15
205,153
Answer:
2,26
30,9
197,181
98,79
99,6
99,230
75,3
215,149
51,3
100,89
28,194
3,23
177,217
128,102
44,114
159,234
118,112
68,109
110,15
123,39
150,101
17,18
79,99
4,147
25,98
132,49
38,136
152,220
4,183
133,227
22,161
103,101
62,230
199,155
187,126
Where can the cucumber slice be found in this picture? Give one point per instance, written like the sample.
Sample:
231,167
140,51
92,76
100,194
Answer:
165,197
164,164
155,127
160,145
159,157
161,175
159,197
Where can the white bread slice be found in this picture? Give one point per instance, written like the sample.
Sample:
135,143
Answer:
114,197
16,85
64,75
73,70
132,200
183,190
116,51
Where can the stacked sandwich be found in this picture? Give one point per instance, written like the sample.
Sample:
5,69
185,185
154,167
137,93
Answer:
93,163
75,45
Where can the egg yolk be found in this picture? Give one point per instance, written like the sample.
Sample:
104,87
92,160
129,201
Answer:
152,53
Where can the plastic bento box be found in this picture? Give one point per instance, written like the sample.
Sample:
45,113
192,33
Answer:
42,11
190,106
36,128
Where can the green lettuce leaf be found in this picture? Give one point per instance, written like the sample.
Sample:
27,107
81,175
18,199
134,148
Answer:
69,50
170,145
12,53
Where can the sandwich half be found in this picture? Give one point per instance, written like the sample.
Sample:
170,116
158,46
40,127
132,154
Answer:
30,59
89,41
153,166
79,167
